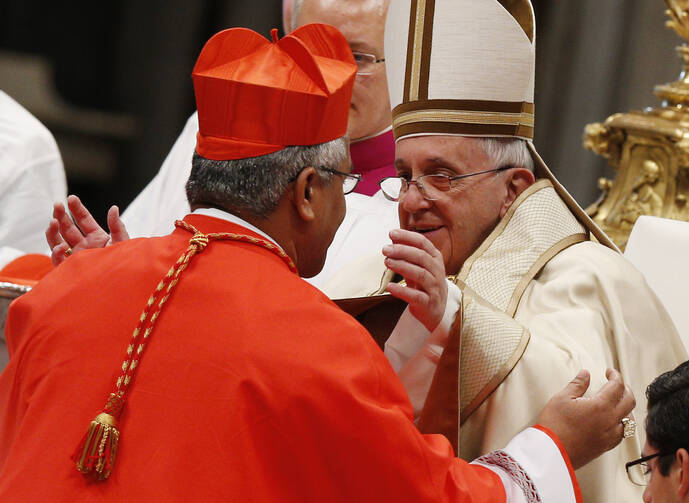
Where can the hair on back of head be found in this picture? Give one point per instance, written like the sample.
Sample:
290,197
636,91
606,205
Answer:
255,185
667,421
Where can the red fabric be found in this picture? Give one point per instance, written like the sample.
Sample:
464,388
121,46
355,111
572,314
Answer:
27,269
375,159
255,97
254,387
565,456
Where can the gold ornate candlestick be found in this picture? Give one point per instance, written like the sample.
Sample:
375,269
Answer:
648,149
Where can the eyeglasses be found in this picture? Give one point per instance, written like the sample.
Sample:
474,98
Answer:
366,63
349,182
638,470
431,187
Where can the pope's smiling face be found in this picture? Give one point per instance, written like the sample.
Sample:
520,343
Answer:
462,218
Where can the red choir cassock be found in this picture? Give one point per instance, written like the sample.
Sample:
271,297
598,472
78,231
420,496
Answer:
254,387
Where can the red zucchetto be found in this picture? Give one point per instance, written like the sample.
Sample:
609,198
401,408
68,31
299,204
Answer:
247,108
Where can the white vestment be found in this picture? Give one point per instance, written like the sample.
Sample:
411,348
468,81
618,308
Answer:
32,178
153,213
538,303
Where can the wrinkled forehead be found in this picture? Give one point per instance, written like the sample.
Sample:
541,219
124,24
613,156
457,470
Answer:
360,21
460,152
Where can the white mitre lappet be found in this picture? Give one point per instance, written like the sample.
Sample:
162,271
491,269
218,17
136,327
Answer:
466,68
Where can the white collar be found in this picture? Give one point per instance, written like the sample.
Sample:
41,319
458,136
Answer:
229,217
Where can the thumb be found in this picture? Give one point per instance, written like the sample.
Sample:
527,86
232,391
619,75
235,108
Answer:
118,231
578,386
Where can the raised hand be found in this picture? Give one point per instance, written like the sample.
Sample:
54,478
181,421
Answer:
415,258
588,427
64,236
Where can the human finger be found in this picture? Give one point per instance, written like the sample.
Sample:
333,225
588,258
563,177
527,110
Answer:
415,275
415,239
578,386
70,232
411,296
613,390
83,217
58,253
52,234
118,231
626,404
413,255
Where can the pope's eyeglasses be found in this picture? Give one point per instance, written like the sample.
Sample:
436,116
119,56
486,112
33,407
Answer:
431,187
366,63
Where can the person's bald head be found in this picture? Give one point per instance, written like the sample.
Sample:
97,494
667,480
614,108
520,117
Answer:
362,22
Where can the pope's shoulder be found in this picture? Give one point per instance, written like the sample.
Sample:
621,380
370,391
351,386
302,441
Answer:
598,263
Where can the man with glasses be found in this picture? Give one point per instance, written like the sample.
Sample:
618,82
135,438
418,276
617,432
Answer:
664,464
534,289
254,385
369,215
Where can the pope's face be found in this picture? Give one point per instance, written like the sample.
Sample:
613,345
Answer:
462,218
362,22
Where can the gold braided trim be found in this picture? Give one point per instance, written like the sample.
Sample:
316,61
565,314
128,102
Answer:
495,381
464,117
538,265
492,343
96,453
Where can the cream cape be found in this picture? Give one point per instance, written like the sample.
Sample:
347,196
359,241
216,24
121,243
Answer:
540,302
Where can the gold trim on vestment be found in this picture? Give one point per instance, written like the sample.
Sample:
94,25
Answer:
538,265
468,263
496,381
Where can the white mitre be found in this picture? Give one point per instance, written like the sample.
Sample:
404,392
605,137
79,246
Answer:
466,68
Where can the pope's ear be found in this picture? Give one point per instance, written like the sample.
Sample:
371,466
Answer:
302,193
517,180
682,458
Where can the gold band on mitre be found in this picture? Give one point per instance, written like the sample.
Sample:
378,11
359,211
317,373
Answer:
464,117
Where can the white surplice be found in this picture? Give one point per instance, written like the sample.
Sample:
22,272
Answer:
32,178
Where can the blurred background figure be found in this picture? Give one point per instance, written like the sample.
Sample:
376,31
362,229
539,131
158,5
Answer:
664,465
31,179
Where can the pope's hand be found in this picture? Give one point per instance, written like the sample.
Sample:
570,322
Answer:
63,234
415,258
588,427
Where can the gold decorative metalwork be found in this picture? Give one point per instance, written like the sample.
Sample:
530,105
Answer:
648,149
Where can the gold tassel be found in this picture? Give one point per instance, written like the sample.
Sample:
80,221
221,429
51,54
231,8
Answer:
96,452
